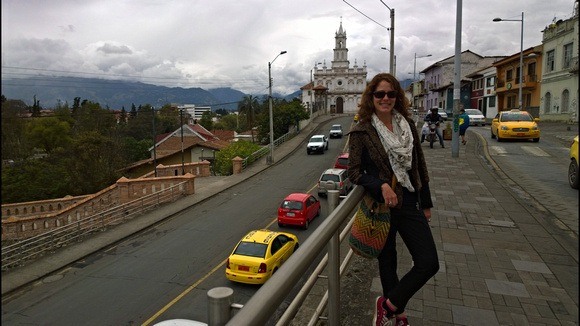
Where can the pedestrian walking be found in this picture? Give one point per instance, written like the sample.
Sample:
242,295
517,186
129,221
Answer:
385,146
463,125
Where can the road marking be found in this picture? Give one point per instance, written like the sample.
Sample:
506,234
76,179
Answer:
536,151
497,151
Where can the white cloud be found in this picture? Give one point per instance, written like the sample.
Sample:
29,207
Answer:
223,43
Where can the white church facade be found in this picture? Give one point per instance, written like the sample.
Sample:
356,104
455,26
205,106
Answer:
337,89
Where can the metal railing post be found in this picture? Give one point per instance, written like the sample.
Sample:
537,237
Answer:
333,266
219,305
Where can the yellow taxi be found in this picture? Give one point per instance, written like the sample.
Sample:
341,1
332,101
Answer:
573,168
259,255
515,124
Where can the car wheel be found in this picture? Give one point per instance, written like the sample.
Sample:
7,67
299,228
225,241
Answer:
280,224
318,212
573,174
296,247
535,140
492,135
306,225
307,152
498,139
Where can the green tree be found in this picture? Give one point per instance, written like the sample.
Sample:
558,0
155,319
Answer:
248,107
227,122
286,114
48,133
14,142
223,160
206,120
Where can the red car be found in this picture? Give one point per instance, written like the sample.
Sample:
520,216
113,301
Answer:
341,161
298,209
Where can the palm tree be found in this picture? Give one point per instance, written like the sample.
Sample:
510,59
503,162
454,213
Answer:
247,106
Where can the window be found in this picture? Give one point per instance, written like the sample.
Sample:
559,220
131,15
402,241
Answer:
491,101
490,81
567,56
565,100
547,102
550,61
511,102
509,75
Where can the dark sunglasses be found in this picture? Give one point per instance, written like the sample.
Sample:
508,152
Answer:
381,94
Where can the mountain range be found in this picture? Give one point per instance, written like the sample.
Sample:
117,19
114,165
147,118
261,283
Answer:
118,94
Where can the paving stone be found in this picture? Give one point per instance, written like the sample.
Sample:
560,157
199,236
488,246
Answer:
507,288
473,316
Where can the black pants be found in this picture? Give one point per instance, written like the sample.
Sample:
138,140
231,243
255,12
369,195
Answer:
410,223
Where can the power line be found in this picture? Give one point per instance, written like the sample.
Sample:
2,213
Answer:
366,15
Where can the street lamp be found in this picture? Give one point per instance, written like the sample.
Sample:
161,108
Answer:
392,29
393,70
270,159
415,65
521,54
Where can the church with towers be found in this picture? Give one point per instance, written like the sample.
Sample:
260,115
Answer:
338,88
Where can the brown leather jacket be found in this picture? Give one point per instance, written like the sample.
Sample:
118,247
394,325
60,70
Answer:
369,165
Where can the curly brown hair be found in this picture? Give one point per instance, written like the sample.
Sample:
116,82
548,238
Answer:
367,107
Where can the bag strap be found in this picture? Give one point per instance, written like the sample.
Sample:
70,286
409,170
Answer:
394,181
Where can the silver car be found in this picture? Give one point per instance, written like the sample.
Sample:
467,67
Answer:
476,117
334,179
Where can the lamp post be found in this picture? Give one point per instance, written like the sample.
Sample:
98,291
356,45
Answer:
393,68
415,65
392,29
521,54
270,159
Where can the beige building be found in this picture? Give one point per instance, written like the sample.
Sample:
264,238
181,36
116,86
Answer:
337,89
559,86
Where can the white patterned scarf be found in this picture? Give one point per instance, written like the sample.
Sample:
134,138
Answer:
399,146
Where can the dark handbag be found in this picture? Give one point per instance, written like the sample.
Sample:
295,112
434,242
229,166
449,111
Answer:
371,226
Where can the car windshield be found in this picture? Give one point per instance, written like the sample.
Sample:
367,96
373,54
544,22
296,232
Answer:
336,128
473,112
343,161
330,177
251,249
316,139
291,204
515,117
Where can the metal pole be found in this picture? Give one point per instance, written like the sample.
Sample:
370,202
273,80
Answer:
392,41
333,266
457,83
182,153
521,62
154,144
219,305
270,158
415,68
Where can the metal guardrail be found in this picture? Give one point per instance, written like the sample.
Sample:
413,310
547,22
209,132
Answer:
266,149
263,304
34,247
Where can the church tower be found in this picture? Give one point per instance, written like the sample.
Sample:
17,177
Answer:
340,50
337,89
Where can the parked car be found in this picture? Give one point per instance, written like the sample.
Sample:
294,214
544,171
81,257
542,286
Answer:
317,143
341,161
515,124
259,255
335,131
298,209
573,168
443,115
334,179
476,117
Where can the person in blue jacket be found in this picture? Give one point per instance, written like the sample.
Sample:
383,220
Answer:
463,125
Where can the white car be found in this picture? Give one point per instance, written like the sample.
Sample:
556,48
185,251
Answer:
317,143
476,117
336,131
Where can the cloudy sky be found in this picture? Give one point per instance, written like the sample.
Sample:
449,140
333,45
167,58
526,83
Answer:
219,43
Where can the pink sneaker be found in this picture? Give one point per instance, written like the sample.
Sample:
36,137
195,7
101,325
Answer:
401,321
382,316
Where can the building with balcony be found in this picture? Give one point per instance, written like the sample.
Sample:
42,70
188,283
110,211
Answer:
559,87
508,81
